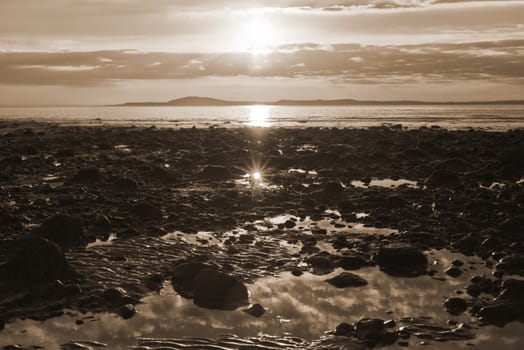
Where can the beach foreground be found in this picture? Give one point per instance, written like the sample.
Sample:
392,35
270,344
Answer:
94,219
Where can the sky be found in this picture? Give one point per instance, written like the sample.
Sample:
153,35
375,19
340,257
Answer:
90,52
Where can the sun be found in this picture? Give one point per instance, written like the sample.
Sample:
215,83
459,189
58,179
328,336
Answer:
259,34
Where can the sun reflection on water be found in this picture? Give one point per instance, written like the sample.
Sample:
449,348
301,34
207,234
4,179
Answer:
259,115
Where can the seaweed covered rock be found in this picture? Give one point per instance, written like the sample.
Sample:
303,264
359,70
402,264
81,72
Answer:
401,259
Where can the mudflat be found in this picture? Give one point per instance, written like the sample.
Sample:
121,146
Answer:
94,219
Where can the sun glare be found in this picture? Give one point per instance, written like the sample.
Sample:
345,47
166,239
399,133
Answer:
259,34
259,115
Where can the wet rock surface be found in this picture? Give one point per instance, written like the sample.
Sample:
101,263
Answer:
401,259
346,279
141,184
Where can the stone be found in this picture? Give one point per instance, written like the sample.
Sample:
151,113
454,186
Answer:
512,264
344,330
402,260
321,264
217,290
39,261
453,271
373,332
346,279
455,306
255,310
290,224
183,276
64,230
501,313
126,311
351,262
113,296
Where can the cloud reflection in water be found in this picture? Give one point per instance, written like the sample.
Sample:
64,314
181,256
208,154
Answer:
304,306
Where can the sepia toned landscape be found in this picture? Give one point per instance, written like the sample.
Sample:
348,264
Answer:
245,175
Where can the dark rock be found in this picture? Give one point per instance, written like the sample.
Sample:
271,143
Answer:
512,264
474,290
216,290
400,259
39,261
373,332
321,264
453,271
455,306
126,311
501,313
64,230
255,310
88,175
2,325
333,188
297,272
215,172
512,290
114,296
351,262
344,330
346,279
457,263
183,276
290,224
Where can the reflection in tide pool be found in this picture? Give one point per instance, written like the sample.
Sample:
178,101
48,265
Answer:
304,306
259,115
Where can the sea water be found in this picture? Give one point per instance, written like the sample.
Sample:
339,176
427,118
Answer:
489,117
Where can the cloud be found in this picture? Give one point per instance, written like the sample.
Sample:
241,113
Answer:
478,61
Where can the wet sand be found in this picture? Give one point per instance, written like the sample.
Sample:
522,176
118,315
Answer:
94,219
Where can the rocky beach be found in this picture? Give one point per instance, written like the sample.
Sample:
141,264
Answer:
97,219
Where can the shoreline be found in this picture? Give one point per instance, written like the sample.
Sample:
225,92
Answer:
464,192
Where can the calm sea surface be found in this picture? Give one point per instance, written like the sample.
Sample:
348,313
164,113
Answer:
492,117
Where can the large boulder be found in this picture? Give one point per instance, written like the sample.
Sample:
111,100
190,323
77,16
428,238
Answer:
217,290
208,287
401,259
39,261
64,230
183,276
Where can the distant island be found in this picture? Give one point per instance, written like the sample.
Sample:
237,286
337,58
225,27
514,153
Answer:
208,101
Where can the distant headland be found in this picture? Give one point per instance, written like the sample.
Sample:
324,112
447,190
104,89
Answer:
208,101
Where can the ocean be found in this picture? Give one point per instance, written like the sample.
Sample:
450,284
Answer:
489,117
